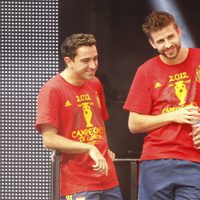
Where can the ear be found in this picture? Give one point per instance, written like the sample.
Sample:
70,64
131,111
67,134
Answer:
68,61
179,31
152,43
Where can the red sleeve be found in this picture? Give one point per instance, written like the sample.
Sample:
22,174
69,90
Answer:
139,97
47,107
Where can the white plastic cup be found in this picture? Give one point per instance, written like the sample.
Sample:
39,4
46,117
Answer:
197,124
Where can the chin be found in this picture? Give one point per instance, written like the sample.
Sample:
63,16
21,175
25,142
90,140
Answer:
170,56
89,77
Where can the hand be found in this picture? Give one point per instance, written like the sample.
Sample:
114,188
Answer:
111,154
100,162
187,115
196,137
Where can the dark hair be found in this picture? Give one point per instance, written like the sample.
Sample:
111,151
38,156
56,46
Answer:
72,43
157,20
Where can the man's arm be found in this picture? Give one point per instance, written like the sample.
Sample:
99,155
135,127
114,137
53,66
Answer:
139,123
51,140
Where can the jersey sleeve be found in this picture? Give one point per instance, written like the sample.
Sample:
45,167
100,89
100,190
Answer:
47,107
139,97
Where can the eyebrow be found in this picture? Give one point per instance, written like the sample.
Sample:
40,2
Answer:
88,58
171,34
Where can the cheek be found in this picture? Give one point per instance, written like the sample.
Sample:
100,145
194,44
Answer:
157,46
160,48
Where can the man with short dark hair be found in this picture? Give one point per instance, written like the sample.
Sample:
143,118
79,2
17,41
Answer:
71,114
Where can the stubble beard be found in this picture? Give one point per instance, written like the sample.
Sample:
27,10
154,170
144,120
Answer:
177,48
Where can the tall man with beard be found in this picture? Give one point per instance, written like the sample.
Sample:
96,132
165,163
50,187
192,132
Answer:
165,106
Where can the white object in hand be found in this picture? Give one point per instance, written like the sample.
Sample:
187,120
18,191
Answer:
195,125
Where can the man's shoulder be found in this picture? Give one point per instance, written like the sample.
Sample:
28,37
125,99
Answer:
94,82
194,50
53,83
149,64
54,80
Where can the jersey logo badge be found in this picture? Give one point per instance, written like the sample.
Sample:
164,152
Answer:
87,112
198,74
157,85
67,103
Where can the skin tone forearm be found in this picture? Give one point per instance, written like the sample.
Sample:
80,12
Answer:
51,140
143,123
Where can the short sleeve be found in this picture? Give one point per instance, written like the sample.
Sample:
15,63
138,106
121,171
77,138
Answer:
47,107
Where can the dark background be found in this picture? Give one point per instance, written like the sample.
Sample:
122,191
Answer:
29,57
122,48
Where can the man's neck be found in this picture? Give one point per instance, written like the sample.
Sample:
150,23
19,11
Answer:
71,78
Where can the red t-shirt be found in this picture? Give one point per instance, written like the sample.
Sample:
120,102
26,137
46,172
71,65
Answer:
78,113
159,88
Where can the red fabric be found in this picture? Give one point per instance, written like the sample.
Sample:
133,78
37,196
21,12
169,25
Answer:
78,113
159,88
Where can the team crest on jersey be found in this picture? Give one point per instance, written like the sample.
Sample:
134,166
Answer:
87,112
178,82
98,100
90,133
198,74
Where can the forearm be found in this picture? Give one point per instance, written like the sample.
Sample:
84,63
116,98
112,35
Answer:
144,123
51,140
68,146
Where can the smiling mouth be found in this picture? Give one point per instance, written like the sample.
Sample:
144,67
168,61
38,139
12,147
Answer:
91,73
170,50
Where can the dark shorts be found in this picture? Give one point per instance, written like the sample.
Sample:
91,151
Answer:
110,194
169,179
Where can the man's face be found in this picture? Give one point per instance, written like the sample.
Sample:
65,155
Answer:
85,63
167,41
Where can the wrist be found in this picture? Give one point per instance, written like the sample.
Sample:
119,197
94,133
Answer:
169,117
90,147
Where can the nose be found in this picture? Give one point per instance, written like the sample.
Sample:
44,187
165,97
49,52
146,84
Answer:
93,64
167,44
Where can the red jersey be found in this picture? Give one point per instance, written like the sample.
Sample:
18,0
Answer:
160,88
78,112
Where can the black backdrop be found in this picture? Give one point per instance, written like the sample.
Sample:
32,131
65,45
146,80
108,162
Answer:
122,48
29,56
